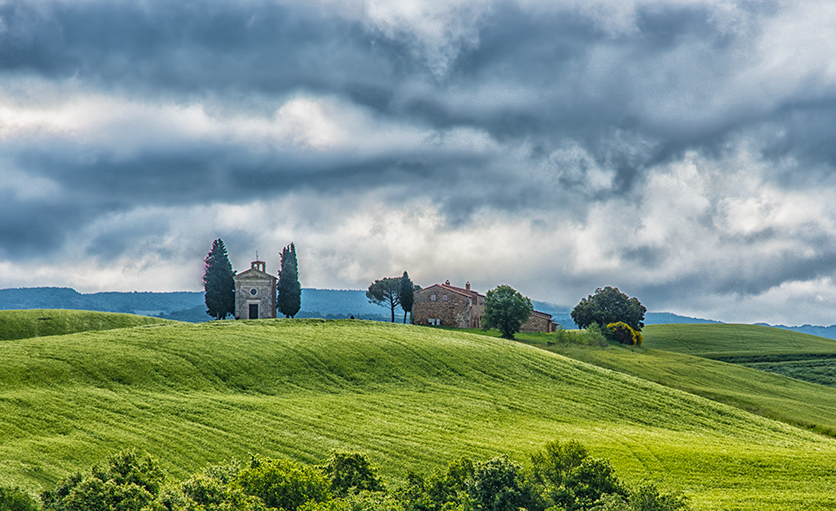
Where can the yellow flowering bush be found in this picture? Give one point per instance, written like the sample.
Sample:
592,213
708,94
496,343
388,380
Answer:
623,333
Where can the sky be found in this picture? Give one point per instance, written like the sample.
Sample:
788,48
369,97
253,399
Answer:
682,151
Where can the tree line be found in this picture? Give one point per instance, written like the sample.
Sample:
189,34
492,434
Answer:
618,317
219,283
561,476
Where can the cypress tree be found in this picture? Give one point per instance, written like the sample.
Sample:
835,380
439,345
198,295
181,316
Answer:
219,282
290,291
406,295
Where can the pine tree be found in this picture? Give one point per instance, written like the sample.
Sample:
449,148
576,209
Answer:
290,291
386,293
219,282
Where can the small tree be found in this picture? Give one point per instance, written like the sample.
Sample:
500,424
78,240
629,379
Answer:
386,292
290,291
219,282
609,305
15,499
406,294
351,473
506,309
129,481
283,484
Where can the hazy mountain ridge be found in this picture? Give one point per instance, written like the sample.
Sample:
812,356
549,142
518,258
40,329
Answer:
186,305
828,332
316,303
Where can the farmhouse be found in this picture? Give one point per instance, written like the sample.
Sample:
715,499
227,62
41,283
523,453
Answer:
447,305
255,293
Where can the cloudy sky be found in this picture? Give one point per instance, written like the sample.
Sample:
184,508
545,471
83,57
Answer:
683,151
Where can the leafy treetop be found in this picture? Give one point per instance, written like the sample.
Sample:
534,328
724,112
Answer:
609,305
506,310
386,292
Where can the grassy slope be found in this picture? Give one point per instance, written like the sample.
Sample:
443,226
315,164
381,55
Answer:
411,397
800,356
721,341
23,324
774,396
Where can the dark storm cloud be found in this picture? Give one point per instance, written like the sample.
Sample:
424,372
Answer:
158,47
34,228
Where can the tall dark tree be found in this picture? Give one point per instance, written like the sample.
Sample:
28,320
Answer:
386,292
289,300
406,295
609,305
219,282
506,310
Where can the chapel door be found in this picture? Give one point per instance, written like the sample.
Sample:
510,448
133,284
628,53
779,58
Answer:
253,311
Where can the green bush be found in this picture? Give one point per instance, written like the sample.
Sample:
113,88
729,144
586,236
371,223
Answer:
645,498
591,336
351,472
283,484
363,501
623,333
499,484
128,482
442,490
210,491
15,499
551,465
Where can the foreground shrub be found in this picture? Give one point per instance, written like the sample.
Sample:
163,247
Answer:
127,482
499,484
210,491
552,465
646,498
351,472
442,490
15,499
562,477
622,332
590,336
283,484
363,501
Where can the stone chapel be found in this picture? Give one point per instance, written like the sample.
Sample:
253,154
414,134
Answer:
255,293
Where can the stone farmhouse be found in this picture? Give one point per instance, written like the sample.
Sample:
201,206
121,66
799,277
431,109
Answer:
255,293
446,305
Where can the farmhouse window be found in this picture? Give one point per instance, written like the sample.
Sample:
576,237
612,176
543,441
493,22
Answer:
443,298
432,298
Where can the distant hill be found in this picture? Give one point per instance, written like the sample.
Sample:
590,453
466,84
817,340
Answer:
145,304
25,324
821,331
316,303
187,305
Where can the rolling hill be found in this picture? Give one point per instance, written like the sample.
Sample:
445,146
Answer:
24,324
785,352
412,397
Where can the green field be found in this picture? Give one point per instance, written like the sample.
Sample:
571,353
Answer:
800,356
721,341
23,324
411,397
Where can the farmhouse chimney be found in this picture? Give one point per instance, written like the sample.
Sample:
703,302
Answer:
467,285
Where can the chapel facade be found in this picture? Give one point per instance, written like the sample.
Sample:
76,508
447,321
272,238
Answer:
255,293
